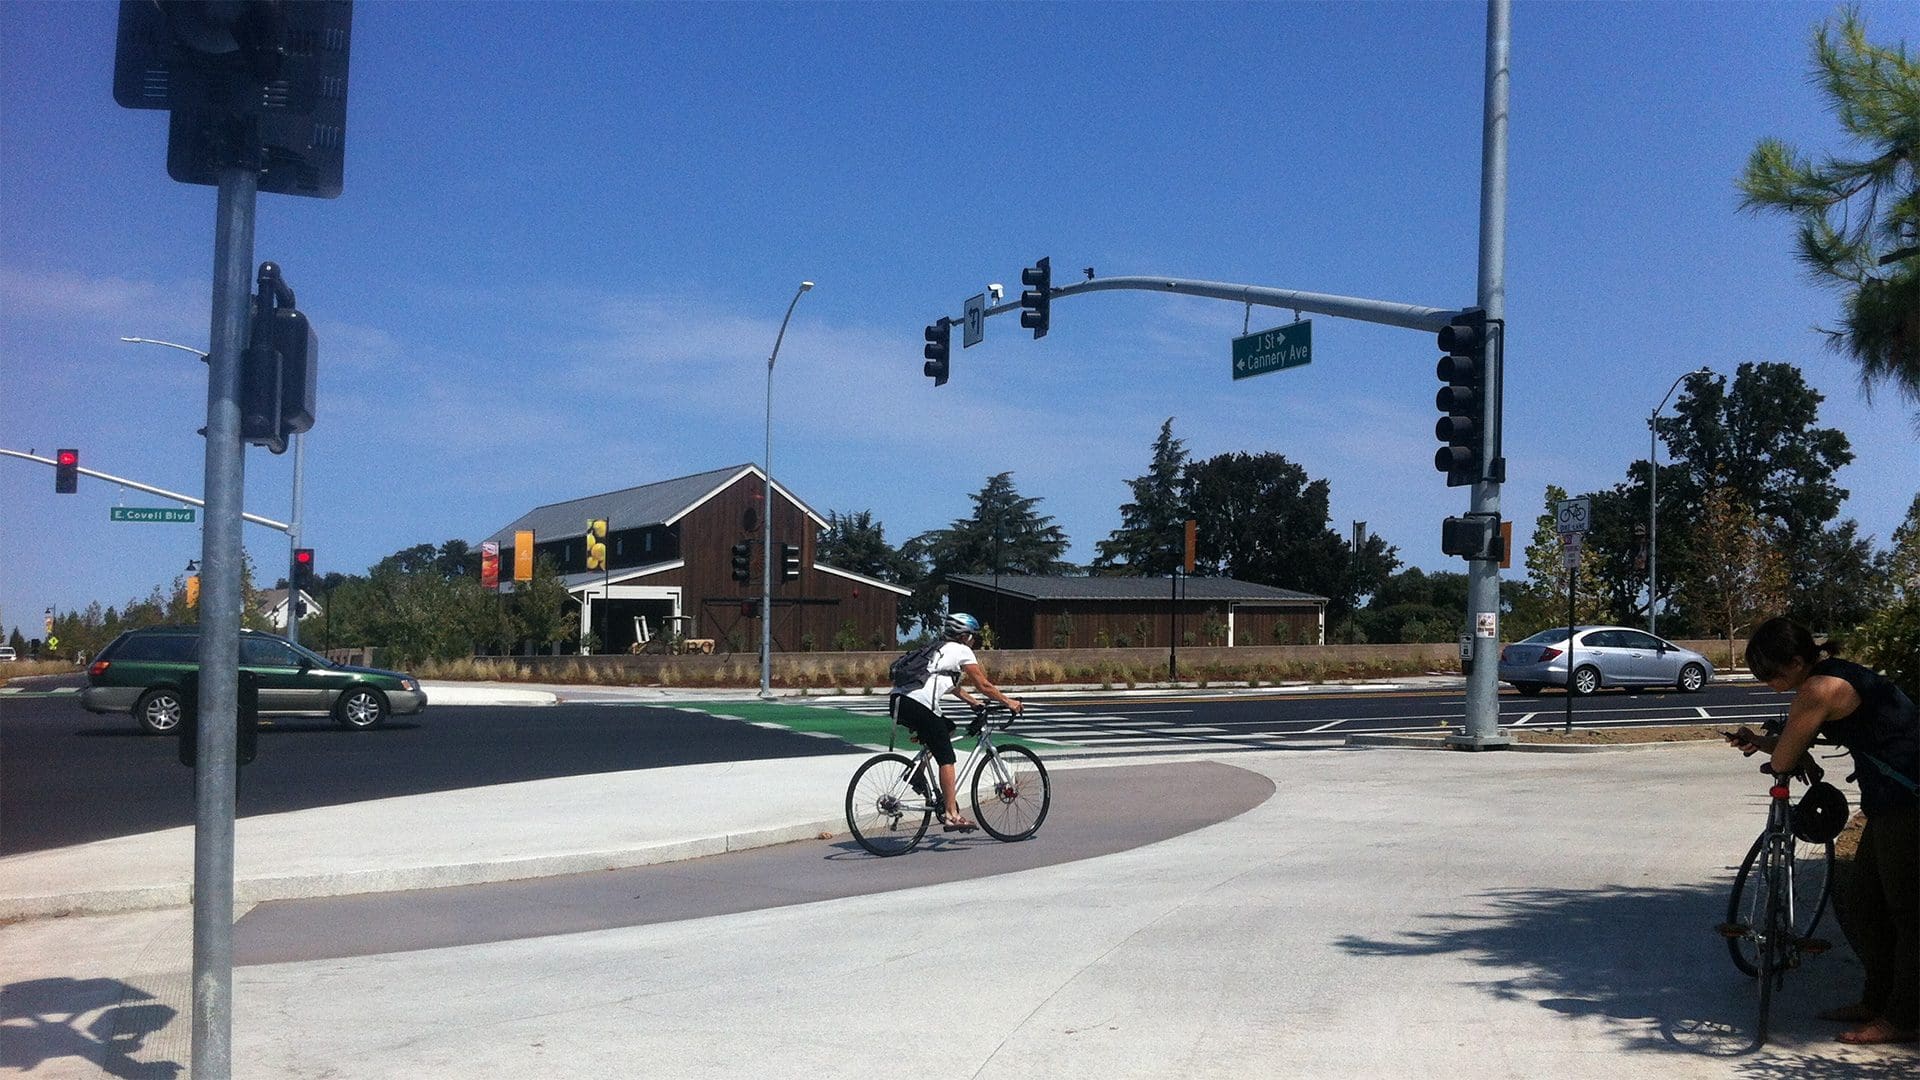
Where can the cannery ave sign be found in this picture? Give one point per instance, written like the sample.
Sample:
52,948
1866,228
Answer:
1271,350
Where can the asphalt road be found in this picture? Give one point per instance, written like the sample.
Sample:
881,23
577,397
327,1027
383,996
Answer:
68,776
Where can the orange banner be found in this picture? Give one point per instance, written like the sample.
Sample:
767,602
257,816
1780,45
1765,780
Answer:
523,555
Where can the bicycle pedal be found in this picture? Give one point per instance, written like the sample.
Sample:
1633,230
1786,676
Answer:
1731,930
1814,946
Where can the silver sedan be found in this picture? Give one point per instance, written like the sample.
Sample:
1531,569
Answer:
1602,656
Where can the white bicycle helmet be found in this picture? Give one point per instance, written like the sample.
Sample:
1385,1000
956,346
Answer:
961,623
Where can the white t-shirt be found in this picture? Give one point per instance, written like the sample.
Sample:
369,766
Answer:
948,665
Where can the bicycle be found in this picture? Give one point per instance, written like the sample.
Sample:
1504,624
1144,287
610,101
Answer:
891,800
1779,896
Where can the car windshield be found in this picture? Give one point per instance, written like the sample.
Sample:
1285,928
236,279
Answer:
1545,637
316,658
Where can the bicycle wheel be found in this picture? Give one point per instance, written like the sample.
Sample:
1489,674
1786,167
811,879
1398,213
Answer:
1011,793
886,815
1775,950
1812,874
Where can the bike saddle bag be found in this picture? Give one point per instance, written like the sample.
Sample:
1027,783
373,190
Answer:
1820,814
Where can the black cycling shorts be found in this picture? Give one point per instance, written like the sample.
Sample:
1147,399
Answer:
935,731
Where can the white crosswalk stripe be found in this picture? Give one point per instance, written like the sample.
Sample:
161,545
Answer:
1097,731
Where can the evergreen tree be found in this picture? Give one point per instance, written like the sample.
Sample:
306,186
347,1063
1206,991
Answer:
1006,534
858,543
1858,217
1151,539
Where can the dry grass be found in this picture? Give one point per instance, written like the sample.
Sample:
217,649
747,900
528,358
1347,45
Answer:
1605,736
863,673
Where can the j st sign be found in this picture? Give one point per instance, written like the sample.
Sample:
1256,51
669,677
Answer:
1271,350
153,513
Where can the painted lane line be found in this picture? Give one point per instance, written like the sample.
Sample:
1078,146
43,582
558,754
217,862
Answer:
1524,719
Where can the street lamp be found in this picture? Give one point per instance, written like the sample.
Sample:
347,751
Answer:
293,526
766,517
1653,500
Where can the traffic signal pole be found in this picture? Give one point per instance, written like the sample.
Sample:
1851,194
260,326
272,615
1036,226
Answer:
220,594
1481,729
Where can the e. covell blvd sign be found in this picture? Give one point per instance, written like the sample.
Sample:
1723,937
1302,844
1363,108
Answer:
1272,350
152,513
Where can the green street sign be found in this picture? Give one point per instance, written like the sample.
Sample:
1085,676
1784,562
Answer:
153,513
1271,350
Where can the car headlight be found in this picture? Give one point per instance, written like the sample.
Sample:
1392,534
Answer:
409,684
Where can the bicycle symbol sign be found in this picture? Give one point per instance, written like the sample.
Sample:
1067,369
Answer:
1573,515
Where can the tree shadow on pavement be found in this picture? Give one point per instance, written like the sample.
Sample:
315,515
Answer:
1649,964
104,1021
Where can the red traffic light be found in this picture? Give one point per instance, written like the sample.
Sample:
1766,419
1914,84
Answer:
304,556
66,471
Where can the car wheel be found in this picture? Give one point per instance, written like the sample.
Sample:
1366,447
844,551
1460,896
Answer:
1585,681
160,711
1528,689
361,707
1693,678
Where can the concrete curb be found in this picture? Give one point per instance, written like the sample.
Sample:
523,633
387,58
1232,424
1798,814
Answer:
1439,742
248,891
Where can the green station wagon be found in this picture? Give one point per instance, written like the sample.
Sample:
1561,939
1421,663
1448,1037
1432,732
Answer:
141,671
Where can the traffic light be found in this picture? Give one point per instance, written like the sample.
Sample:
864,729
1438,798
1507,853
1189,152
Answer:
1462,401
302,568
597,544
278,372
789,561
254,83
939,344
1472,537
66,471
1036,303
743,561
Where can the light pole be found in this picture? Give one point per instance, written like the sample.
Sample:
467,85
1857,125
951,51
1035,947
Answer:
1653,500
766,516
293,526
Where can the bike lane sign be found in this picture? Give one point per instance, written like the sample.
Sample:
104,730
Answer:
1573,515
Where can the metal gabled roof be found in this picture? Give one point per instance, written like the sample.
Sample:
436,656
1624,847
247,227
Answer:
1031,587
661,503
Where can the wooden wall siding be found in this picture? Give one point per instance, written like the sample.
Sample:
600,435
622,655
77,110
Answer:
1025,624
704,540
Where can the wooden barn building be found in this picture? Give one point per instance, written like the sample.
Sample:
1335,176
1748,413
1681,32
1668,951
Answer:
669,567
1027,612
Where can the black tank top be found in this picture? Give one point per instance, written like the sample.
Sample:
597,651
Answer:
1884,727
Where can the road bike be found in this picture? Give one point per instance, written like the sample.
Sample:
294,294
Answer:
1779,896
892,799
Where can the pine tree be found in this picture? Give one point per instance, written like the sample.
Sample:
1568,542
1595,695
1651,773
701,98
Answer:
1859,218
1151,539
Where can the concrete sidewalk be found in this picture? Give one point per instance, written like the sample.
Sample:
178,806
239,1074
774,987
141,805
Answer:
1386,913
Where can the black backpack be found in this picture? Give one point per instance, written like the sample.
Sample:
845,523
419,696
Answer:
911,670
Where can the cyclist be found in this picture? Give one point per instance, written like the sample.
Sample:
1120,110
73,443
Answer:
918,708
1841,702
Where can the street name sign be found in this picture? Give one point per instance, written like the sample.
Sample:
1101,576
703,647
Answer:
153,513
1271,350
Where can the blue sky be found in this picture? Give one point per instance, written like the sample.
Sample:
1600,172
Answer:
569,231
